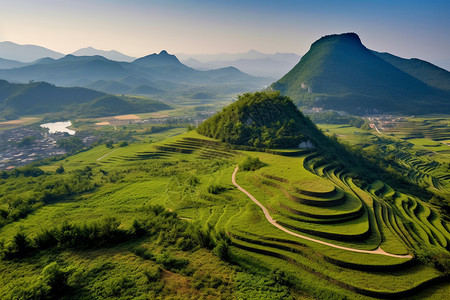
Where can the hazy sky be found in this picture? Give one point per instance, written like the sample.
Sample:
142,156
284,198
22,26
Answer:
139,27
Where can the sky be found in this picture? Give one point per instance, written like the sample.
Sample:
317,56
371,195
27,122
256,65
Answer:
408,29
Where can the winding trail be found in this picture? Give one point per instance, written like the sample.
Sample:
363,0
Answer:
274,223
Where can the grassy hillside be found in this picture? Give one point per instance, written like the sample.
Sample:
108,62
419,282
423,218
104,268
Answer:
191,216
129,247
338,72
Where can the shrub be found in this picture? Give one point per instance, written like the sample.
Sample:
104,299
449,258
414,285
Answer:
56,278
216,189
252,164
143,253
222,250
60,169
435,256
153,274
170,262
20,246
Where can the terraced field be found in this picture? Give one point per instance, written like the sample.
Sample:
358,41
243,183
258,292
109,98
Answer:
333,238
432,129
317,210
417,148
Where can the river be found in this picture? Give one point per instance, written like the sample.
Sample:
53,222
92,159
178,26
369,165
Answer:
59,127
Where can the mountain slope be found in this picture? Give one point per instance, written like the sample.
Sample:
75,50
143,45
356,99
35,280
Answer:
41,97
26,53
420,69
163,59
262,120
9,64
252,62
338,72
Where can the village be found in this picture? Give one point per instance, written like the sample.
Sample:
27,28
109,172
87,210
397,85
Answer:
24,145
383,122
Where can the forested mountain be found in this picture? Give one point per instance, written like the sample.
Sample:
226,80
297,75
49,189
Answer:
41,97
420,69
339,72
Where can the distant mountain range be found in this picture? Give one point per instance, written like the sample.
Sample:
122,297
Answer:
26,53
251,62
340,73
112,54
41,97
152,74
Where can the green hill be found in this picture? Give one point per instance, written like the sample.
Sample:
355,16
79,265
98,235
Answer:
112,105
262,120
339,72
41,98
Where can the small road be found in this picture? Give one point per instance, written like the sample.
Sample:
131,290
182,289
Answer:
106,155
376,128
274,223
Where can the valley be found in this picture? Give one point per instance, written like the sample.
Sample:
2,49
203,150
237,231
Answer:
223,172
312,227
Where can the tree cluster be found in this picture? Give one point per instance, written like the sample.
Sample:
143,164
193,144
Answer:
261,120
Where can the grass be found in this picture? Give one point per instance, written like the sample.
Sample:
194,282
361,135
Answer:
129,179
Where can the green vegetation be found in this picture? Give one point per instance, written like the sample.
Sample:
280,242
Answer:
422,70
43,98
261,120
333,117
155,215
252,164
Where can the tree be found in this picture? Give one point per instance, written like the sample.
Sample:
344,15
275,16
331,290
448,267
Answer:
60,169
109,144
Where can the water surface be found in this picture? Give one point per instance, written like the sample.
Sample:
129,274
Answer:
59,127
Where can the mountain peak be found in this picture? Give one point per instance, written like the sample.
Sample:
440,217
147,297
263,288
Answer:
349,38
158,60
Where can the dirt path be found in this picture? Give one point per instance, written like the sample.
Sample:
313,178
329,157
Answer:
106,155
274,223
376,128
